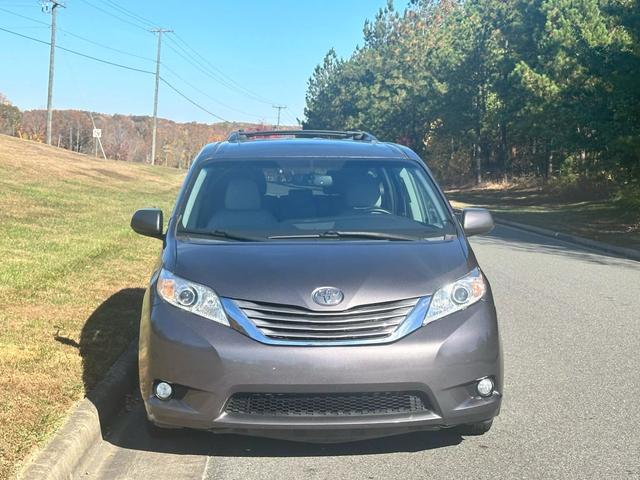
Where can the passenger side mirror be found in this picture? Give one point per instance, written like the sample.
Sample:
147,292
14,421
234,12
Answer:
476,221
148,222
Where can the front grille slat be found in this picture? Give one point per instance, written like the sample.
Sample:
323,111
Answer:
363,309
328,335
287,322
312,318
326,404
329,326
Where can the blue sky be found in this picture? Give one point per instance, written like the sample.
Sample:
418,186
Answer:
267,48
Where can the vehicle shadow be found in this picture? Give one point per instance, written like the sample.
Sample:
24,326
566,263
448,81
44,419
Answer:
105,335
519,240
131,433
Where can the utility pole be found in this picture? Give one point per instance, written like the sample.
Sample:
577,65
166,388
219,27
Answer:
279,107
154,128
51,6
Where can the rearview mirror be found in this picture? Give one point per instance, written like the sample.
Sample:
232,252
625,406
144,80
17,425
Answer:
148,222
476,221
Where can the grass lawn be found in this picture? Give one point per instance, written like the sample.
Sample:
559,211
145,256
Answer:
604,220
71,273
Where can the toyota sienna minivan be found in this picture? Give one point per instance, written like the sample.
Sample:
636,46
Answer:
317,286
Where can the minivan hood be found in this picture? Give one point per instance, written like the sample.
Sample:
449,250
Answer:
288,272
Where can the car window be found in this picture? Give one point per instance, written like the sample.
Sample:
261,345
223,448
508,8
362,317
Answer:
278,198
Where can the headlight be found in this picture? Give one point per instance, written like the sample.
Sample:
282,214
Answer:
456,296
190,296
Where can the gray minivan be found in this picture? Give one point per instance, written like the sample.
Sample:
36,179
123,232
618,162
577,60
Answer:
316,285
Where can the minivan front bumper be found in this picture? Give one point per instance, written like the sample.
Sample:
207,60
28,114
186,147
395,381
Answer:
208,363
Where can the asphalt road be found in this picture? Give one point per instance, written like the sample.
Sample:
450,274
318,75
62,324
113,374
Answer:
570,323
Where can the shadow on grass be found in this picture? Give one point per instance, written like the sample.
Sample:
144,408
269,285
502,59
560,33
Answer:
106,334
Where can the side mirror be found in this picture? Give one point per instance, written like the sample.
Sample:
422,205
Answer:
476,221
148,222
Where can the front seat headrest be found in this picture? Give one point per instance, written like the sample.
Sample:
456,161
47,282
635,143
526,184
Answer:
365,192
242,194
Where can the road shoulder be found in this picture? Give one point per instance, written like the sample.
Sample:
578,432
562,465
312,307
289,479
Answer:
623,252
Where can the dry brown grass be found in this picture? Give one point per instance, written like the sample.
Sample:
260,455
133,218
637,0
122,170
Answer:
520,183
65,247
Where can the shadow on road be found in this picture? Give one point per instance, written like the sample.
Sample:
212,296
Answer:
520,240
131,433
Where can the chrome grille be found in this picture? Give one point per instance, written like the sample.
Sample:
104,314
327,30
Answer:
285,322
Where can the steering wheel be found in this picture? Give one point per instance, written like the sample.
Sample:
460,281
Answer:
379,210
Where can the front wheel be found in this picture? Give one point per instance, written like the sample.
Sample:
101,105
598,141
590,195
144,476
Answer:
471,429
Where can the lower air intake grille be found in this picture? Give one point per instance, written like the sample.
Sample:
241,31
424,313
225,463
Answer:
326,404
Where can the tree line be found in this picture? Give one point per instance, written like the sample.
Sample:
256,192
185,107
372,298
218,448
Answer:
124,137
487,89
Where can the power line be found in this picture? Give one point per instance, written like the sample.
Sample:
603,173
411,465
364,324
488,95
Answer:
75,52
188,57
131,14
91,57
136,56
119,65
88,40
220,72
204,65
106,46
29,27
24,16
291,117
202,92
193,102
106,12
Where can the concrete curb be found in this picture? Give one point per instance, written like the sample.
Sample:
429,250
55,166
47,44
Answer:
628,253
83,429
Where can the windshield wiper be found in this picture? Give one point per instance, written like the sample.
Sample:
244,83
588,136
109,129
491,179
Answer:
221,234
346,234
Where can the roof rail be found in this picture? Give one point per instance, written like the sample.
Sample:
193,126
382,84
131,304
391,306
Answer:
241,135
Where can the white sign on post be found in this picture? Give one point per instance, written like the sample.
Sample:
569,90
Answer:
97,133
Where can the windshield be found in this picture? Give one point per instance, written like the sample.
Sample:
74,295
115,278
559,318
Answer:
317,198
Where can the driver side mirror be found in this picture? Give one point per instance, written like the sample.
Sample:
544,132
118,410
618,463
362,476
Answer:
148,222
477,221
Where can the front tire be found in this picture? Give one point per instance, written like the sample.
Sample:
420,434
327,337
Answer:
474,429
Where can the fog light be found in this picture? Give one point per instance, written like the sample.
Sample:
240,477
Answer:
485,387
163,390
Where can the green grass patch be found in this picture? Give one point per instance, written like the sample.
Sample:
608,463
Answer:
71,280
